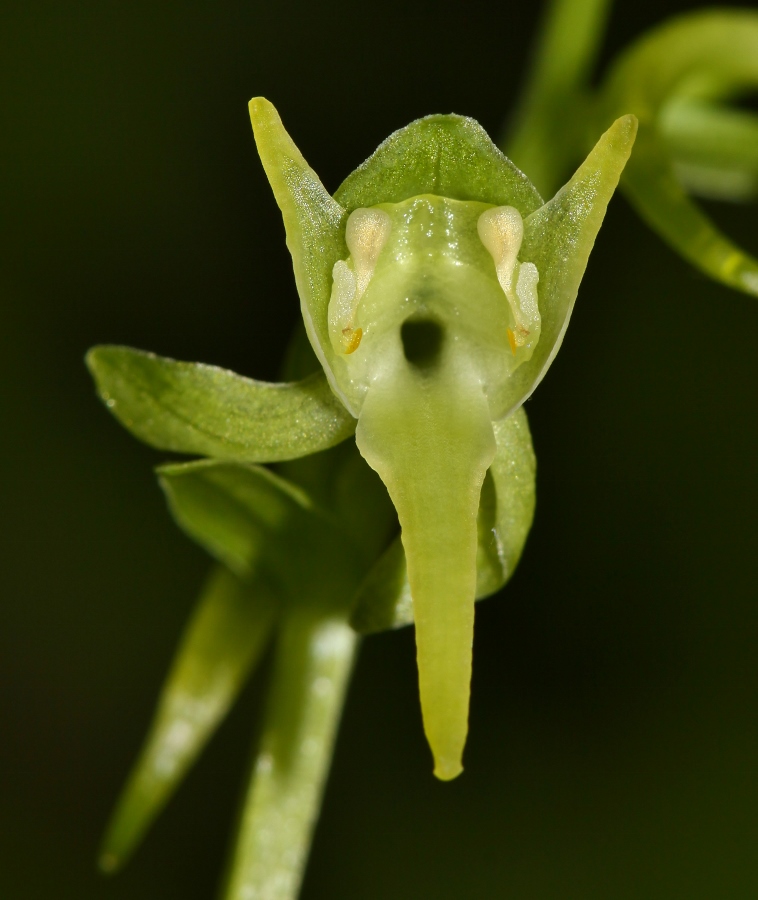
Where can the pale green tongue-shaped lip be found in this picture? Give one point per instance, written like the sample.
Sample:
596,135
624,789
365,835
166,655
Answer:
426,428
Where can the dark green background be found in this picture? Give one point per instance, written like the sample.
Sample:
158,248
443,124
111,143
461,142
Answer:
614,731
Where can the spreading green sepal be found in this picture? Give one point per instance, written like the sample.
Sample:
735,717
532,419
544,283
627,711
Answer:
204,410
314,223
224,639
506,508
677,80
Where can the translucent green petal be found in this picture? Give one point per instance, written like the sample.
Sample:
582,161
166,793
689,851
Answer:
547,134
313,663
223,641
384,599
506,510
706,56
313,221
449,156
201,409
558,239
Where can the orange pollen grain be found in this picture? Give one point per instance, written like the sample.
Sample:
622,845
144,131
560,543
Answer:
352,339
512,341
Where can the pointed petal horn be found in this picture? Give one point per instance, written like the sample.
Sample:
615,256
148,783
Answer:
313,222
558,239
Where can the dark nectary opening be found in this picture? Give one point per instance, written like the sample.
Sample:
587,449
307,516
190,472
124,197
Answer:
422,341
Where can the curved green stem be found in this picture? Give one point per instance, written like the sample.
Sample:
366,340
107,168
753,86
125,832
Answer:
313,663
546,134
714,148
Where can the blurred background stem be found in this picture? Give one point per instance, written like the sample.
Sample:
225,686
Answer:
314,659
546,133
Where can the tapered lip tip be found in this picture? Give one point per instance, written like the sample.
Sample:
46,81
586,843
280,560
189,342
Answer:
447,770
631,122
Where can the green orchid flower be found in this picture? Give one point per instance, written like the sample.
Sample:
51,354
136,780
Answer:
436,287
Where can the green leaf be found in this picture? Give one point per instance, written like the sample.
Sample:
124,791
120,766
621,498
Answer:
223,641
506,510
196,408
702,57
259,524
449,156
558,239
239,513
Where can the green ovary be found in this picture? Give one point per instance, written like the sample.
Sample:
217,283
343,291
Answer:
433,355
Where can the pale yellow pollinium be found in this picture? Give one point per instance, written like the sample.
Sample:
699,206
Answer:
502,231
366,233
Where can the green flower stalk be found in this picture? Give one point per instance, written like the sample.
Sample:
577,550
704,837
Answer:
436,287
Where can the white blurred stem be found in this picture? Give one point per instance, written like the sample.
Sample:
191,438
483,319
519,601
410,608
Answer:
314,659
